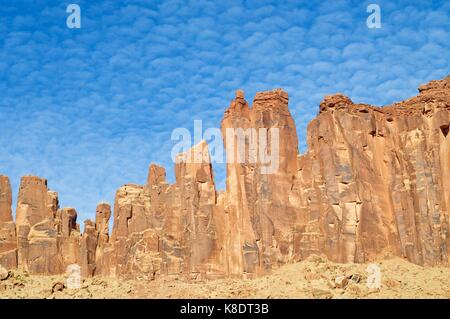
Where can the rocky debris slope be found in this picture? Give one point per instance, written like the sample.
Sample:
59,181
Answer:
373,181
314,277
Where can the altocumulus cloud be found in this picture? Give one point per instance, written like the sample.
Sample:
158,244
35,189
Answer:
90,108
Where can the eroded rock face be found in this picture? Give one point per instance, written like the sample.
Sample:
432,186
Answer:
69,237
48,238
88,247
168,229
200,224
8,242
257,200
103,249
36,232
376,180
373,181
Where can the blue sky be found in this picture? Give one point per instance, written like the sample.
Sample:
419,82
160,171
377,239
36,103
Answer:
91,108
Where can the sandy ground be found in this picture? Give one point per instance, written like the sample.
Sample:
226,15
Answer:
312,278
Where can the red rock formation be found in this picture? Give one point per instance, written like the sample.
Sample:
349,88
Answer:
343,198
373,181
69,237
377,179
36,232
47,237
255,200
88,247
199,224
8,242
103,250
167,229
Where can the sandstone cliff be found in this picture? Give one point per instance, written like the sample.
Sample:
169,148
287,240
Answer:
377,179
8,242
373,181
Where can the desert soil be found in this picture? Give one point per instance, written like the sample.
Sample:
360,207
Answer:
312,278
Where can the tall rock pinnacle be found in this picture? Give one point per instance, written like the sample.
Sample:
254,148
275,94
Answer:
257,200
8,242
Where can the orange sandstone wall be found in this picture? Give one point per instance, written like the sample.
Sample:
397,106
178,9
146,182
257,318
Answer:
374,181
